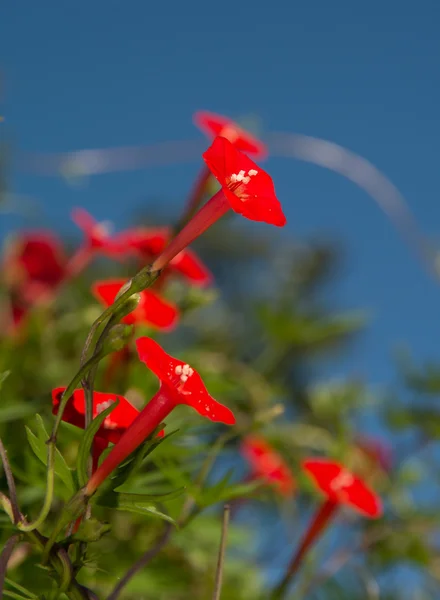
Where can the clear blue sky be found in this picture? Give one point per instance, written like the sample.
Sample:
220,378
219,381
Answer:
365,75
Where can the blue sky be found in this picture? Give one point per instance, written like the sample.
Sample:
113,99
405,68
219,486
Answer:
365,75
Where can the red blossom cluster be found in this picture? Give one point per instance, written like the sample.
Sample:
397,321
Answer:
36,266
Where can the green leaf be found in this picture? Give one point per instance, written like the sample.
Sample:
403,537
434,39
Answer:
39,447
138,503
87,441
3,377
14,412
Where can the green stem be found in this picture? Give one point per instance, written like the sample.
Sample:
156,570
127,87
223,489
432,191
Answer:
51,447
141,281
19,588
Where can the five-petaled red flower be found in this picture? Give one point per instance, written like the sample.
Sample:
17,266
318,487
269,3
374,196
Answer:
342,487
246,188
213,125
268,464
113,425
151,310
179,384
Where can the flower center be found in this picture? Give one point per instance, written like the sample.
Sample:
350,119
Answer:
237,182
230,132
108,423
341,481
183,372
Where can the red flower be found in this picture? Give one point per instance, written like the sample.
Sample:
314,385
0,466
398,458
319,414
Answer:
36,258
267,464
152,309
249,189
34,266
342,487
213,125
112,427
246,188
150,242
179,384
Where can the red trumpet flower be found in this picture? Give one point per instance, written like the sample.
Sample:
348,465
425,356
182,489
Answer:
112,427
152,310
179,384
340,488
266,463
148,243
246,189
214,125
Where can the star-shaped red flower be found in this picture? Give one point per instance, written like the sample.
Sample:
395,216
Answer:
213,125
180,383
248,188
342,487
152,309
266,463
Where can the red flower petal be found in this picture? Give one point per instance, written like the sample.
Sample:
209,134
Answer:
96,234
113,426
343,487
248,188
151,310
147,241
268,464
188,264
213,125
182,383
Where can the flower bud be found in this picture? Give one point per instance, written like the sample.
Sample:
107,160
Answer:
117,338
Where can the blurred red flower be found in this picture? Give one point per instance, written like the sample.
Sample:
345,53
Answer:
266,463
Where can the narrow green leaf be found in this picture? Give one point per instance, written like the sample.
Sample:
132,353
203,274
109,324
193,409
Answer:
39,447
87,441
4,376
142,505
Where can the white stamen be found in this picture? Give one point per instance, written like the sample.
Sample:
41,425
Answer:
242,174
343,480
246,179
252,172
103,405
233,178
184,371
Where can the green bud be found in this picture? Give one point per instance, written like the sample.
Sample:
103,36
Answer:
129,306
118,337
